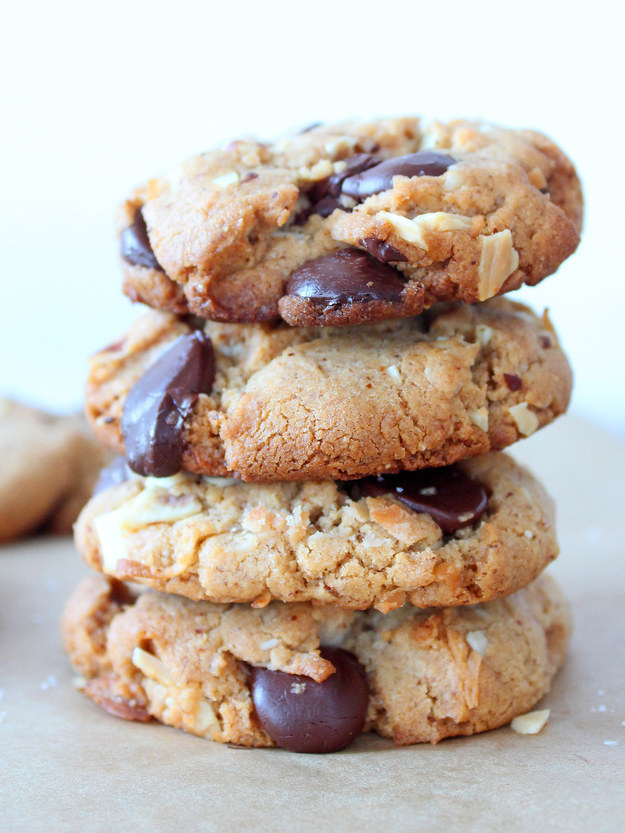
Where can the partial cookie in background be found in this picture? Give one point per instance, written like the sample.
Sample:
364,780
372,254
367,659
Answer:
311,677
450,536
49,465
284,403
352,223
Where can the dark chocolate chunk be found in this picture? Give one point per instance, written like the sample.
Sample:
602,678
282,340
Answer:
545,341
381,250
331,187
135,245
158,404
451,498
304,716
112,475
512,381
344,277
380,178
324,195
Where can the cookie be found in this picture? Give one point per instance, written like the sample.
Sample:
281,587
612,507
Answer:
282,403
49,466
437,537
311,677
352,223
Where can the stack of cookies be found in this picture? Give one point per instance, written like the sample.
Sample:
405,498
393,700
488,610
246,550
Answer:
312,419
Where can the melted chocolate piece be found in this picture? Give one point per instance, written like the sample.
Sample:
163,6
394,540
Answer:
134,244
331,187
112,475
158,404
447,495
373,181
304,716
381,250
324,195
512,381
345,277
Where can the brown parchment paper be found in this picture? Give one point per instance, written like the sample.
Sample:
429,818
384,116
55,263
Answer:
67,766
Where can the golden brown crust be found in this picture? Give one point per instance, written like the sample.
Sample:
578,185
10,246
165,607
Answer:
432,674
325,403
228,241
310,541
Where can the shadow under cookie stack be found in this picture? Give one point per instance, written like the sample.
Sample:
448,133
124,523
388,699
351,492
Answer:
314,532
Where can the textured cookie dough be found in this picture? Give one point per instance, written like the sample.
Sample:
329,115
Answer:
431,674
49,465
338,403
225,231
290,541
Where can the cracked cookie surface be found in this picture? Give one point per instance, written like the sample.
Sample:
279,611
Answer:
338,403
293,541
222,236
430,674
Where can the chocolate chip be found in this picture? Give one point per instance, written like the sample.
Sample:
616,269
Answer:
380,178
304,716
324,195
451,498
344,277
135,245
158,404
545,342
331,187
512,381
112,475
249,177
381,250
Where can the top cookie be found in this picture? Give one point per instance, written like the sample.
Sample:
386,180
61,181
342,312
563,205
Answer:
352,223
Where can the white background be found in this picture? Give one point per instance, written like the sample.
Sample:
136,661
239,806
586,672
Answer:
99,97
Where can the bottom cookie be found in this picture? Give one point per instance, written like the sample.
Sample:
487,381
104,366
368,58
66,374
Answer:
311,677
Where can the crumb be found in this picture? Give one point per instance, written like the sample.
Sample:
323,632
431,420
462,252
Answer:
49,682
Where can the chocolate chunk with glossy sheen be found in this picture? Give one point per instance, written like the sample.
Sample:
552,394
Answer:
135,245
381,250
447,494
345,277
304,716
331,187
112,475
374,180
158,404
324,195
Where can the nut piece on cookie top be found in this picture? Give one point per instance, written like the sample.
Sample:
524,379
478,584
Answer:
299,229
